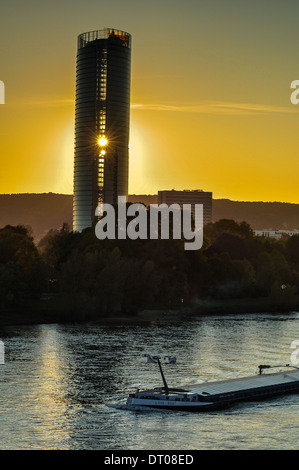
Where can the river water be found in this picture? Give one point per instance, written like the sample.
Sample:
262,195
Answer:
57,381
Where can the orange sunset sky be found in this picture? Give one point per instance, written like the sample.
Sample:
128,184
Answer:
210,95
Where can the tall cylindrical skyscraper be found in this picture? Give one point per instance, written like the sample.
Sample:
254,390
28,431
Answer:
102,122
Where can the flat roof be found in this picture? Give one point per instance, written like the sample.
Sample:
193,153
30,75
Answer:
108,33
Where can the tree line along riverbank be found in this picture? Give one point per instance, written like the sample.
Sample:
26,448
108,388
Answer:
73,276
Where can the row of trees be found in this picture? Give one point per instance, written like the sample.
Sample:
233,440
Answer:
89,277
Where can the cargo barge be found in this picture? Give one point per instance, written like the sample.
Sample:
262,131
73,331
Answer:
217,395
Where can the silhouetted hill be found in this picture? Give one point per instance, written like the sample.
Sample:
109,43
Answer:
259,215
40,211
146,199
43,212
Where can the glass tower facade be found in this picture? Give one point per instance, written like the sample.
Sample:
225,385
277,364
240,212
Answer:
102,121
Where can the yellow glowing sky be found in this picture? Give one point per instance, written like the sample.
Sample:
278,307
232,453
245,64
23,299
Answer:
210,94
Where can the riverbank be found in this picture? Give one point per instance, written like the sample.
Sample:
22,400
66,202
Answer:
49,311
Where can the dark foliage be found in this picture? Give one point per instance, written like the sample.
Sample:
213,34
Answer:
103,277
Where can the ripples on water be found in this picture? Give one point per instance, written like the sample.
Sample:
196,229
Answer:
57,380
